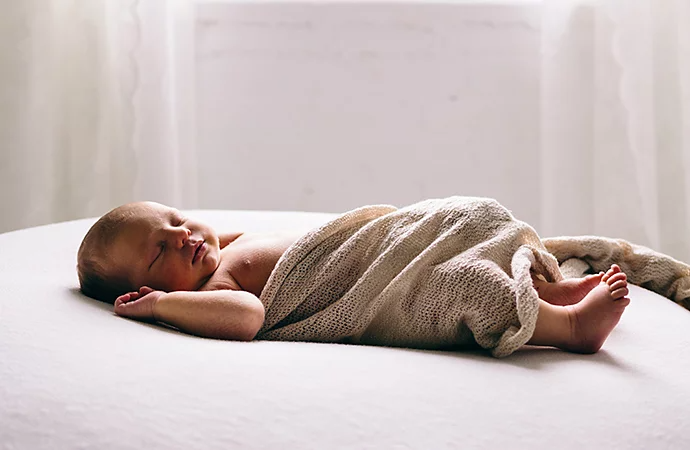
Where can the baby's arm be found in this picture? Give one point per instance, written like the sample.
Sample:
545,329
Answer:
221,314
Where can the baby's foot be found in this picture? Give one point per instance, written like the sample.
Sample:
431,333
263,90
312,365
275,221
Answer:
567,292
593,319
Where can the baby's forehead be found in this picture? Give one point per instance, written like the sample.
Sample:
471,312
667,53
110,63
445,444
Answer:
148,210
144,217
129,239
134,219
148,213
125,222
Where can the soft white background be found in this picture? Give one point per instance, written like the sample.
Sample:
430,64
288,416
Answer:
574,114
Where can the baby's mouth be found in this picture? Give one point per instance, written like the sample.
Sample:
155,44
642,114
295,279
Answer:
199,251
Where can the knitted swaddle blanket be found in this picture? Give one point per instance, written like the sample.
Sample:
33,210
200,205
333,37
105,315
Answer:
438,274
644,267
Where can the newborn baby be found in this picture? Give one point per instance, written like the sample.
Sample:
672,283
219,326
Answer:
157,265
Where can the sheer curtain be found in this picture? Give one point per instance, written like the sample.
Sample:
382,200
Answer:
96,107
616,120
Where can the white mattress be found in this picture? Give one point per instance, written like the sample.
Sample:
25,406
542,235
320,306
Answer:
73,375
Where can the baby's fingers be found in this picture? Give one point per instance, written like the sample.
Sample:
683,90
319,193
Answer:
138,309
121,299
124,303
125,298
145,290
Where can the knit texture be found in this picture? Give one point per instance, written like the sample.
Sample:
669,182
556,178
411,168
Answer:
644,267
440,274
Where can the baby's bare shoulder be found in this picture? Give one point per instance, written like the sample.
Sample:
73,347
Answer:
249,260
257,244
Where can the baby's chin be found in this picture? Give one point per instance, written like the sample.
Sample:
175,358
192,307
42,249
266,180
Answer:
212,261
211,264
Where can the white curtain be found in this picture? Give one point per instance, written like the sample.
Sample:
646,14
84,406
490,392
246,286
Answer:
96,107
616,121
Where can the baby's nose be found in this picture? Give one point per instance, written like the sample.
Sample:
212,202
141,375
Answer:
180,236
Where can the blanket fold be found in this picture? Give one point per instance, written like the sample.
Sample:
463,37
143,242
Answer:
439,274
644,267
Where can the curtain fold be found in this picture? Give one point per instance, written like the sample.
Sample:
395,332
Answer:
615,120
96,107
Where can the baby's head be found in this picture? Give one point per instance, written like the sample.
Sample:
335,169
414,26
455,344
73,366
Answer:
146,244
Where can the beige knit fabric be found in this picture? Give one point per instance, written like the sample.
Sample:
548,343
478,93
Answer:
644,267
439,274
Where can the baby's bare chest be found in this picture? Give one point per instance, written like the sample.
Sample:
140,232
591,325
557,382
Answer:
247,263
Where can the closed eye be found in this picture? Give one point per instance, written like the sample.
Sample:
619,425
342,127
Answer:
178,219
162,245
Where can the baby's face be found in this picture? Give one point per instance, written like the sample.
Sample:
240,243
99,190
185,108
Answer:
160,248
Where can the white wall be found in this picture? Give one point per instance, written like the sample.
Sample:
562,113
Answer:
325,107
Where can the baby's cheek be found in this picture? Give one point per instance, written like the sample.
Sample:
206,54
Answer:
166,279
183,279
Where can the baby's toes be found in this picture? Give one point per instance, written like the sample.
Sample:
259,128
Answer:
611,272
615,278
618,285
619,293
622,302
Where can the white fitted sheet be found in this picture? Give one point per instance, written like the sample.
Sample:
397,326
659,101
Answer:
73,375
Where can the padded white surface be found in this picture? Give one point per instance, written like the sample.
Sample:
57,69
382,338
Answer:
73,375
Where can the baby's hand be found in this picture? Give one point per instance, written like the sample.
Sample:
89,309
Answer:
138,305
